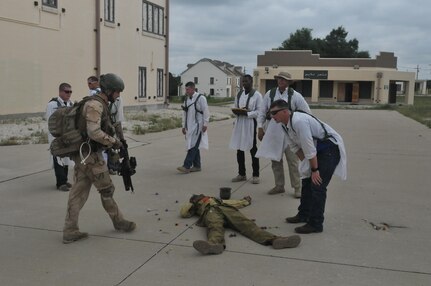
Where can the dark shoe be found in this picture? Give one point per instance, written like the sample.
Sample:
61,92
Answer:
239,178
295,219
69,185
307,229
286,242
195,169
205,247
63,188
183,170
74,236
276,190
125,225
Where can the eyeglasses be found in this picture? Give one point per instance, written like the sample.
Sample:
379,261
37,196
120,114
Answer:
67,91
274,112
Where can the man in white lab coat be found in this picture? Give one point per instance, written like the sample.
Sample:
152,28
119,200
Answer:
244,131
195,123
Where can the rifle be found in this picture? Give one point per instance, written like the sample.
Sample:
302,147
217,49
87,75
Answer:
127,166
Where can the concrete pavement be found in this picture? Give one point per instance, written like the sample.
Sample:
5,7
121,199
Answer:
388,165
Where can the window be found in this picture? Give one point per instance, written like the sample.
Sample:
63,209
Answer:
142,84
229,80
50,3
153,18
110,11
195,80
211,80
159,82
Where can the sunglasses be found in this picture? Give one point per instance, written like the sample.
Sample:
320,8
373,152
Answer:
274,112
67,91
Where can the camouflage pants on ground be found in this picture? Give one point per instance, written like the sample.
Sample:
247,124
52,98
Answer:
94,172
292,163
218,217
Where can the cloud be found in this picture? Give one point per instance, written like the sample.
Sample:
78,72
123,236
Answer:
237,31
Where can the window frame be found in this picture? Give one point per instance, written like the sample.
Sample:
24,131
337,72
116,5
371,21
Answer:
47,4
142,83
160,82
153,18
109,9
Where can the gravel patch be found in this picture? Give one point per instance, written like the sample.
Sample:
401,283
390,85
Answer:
25,129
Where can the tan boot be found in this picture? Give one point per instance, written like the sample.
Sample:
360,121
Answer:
286,242
125,225
205,247
276,190
70,237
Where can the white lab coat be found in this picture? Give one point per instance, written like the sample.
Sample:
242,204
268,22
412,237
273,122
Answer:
193,121
50,109
274,142
301,130
243,130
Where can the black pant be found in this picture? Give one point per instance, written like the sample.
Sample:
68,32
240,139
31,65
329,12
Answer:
240,157
60,173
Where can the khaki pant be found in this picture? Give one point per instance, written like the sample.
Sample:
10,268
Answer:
278,170
94,172
217,217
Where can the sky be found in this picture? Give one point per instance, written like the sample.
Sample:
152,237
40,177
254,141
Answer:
237,31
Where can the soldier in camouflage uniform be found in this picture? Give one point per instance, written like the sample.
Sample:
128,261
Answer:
215,214
90,167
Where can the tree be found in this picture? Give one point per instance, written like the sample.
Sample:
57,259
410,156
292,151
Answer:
173,84
334,45
300,40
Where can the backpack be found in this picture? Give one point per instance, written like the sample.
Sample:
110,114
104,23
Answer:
250,95
289,96
63,125
272,95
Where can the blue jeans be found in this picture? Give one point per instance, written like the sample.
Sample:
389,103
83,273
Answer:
313,197
193,157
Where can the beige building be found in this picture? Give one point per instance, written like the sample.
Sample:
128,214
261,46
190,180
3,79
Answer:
47,42
320,80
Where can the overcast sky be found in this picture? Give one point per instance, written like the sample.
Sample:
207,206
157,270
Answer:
236,31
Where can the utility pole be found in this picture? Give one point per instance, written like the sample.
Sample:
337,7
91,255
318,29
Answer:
417,72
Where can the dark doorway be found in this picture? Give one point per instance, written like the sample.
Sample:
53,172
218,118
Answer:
392,92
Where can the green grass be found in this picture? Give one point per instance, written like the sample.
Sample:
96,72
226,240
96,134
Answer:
212,100
157,124
419,111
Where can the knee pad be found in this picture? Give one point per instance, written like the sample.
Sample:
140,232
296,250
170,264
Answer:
108,192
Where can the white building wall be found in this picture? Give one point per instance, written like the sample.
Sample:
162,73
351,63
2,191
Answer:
41,49
204,70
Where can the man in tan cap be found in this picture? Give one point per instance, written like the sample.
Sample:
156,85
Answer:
273,148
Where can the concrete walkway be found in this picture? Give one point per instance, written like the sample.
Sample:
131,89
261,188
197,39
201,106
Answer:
388,167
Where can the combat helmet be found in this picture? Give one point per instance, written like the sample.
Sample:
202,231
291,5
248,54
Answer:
111,82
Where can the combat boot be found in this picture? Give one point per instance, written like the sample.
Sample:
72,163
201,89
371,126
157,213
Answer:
69,237
125,225
205,247
286,242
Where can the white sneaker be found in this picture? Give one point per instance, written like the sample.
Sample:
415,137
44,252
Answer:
255,180
239,178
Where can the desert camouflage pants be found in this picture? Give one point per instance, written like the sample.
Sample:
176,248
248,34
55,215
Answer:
218,217
94,172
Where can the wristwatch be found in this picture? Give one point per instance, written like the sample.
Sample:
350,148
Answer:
314,169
